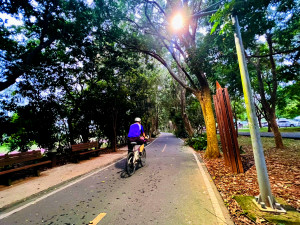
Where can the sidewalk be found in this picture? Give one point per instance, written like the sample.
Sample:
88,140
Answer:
22,190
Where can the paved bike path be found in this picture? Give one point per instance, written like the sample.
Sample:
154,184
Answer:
170,189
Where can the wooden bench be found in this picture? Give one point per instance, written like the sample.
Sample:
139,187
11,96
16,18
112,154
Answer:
85,149
11,163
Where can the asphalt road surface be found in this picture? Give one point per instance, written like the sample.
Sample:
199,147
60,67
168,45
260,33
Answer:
168,190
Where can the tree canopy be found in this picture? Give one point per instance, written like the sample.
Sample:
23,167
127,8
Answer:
74,70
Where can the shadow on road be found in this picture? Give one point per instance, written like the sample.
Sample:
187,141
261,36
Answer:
124,174
121,165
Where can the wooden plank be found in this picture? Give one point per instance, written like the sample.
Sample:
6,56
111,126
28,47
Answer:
236,152
224,113
221,129
11,159
96,150
226,145
25,167
21,155
84,146
233,147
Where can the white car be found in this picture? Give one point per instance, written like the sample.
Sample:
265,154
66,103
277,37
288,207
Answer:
297,119
286,123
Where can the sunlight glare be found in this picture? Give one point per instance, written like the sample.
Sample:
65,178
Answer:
177,22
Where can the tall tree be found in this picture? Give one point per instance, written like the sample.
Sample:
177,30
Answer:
44,23
277,23
147,24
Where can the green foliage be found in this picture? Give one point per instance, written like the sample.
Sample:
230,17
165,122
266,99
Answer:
266,26
79,83
289,100
198,142
180,131
82,76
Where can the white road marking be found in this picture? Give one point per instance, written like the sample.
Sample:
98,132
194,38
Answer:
164,148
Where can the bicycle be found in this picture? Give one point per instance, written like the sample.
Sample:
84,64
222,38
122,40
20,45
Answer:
135,158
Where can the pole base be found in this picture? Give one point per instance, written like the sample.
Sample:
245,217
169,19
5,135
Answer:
276,207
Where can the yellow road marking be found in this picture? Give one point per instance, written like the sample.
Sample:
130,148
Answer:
98,218
164,148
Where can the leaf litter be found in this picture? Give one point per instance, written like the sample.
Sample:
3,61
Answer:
283,167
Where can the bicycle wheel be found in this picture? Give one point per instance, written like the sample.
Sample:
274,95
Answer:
143,158
130,167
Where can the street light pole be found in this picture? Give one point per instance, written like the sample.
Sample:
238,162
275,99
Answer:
265,198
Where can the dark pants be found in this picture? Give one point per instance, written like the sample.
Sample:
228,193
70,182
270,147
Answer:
138,140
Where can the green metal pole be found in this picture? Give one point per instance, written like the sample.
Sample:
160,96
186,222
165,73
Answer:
260,163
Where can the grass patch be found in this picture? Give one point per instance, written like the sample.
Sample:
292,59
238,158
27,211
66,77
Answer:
269,143
265,129
5,149
253,213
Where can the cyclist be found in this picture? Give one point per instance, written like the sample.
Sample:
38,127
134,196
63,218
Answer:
136,134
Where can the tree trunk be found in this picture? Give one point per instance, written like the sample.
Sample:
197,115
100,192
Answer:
277,135
85,134
259,121
258,113
272,116
236,120
114,133
153,130
204,98
269,127
186,121
71,132
269,106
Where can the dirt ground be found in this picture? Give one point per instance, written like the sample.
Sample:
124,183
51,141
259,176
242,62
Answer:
284,174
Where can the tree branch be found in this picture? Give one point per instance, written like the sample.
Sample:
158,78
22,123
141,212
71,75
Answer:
172,52
275,53
158,6
273,70
17,70
165,64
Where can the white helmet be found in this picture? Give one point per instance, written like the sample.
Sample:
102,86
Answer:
137,119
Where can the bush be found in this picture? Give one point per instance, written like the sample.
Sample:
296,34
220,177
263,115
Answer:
180,133
198,142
